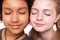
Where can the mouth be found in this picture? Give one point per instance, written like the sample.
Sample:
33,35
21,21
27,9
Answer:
39,24
15,26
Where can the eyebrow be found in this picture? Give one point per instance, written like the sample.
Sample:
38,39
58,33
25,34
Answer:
18,9
35,9
7,8
22,8
43,9
47,10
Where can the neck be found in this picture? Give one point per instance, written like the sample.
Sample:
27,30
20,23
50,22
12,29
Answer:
47,35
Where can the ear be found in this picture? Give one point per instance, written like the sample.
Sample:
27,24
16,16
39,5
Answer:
58,16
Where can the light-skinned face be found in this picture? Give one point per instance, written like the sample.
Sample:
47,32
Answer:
15,15
43,15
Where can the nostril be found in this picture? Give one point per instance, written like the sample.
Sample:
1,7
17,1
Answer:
39,19
15,19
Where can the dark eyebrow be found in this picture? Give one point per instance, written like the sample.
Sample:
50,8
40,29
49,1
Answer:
7,8
18,9
35,9
22,8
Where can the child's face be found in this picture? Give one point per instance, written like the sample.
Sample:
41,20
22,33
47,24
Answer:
43,15
15,15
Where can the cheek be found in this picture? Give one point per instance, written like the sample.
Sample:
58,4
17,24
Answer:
24,18
6,18
49,20
32,18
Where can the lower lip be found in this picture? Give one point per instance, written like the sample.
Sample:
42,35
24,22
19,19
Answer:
39,25
15,27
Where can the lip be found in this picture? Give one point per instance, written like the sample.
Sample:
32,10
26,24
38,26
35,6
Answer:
15,26
39,24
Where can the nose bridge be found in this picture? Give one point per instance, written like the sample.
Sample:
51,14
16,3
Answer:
40,15
14,17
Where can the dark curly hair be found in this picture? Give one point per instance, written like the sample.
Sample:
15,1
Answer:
29,3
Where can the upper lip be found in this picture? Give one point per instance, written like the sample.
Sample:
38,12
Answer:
15,24
39,23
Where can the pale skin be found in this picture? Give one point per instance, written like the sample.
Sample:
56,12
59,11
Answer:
15,18
42,17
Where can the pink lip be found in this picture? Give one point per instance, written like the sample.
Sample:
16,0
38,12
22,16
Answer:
15,26
39,24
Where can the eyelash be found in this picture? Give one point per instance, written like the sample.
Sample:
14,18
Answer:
47,14
34,13
10,13
22,13
7,13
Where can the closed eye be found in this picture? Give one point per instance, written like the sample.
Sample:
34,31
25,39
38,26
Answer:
22,12
34,13
47,12
8,13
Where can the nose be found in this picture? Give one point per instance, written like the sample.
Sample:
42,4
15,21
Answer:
15,18
39,17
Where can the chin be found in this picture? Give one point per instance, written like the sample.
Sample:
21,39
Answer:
16,33
39,30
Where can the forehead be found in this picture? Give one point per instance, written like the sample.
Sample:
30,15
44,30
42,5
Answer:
14,3
44,4
14,0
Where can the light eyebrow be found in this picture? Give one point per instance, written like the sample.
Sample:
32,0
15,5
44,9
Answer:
47,10
35,9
